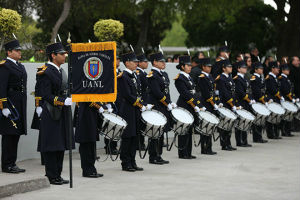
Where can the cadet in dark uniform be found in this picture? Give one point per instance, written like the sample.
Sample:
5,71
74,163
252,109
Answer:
187,99
225,86
13,100
130,104
243,98
287,93
142,75
258,88
273,92
196,68
159,96
53,124
205,85
86,134
223,54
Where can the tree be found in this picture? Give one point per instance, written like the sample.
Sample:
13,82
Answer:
108,30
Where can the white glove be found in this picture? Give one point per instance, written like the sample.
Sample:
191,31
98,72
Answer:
110,110
294,100
216,107
6,112
252,102
101,110
108,106
267,104
239,108
297,100
217,92
149,106
174,105
170,107
220,105
203,109
234,108
197,109
282,99
68,101
143,108
270,101
39,110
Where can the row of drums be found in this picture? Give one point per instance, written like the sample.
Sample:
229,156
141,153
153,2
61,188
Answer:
153,121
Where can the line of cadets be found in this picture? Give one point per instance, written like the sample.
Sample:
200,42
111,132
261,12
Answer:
137,92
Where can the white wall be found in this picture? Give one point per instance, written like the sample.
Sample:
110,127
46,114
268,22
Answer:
28,144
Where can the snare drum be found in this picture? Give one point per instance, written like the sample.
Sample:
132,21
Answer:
207,123
291,110
113,126
183,119
153,123
245,119
276,113
262,112
227,118
297,116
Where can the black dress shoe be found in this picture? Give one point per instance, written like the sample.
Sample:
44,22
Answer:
247,145
128,169
277,137
225,148
184,157
192,157
93,175
164,161
55,181
64,181
11,170
232,148
19,169
241,145
290,135
211,152
156,162
137,168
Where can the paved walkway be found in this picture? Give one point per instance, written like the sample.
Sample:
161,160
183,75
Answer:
265,171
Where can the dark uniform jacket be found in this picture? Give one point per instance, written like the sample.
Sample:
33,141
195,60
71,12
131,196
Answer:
142,75
13,91
195,73
206,87
272,88
294,77
258,88
286,88
53,125
186,89
225,85
242,92
216,69
130,102
159,94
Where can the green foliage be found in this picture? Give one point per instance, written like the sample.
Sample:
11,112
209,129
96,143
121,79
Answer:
108,30
28,31
10,22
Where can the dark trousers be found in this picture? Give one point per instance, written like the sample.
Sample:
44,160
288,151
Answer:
240,137
206,143
53,163
272,130
87,153
128,151
9,150
185,145
225,138
112,144
257,133
286,128
156,148
141,140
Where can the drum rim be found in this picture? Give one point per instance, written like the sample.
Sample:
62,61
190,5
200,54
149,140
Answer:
158,112
289,103
258,103
211,114
244,110
274,103
229,111
117,116
189,113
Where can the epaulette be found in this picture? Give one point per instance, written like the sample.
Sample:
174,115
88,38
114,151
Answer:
235,77
32,93
280,77
137,72
120,75
253,78
150,74
218,77
202,76
177,77
41,70
2,62
267,77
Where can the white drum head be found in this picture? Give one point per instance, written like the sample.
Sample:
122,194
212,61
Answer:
154,117
183,115
227,113
261,109
245,114
115,118
276,108
209,117
289,106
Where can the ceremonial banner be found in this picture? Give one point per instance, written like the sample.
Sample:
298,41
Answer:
93,72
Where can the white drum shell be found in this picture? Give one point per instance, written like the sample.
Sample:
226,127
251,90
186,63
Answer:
153,126
113,126
181,122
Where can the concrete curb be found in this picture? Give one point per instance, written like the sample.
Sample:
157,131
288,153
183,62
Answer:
23,186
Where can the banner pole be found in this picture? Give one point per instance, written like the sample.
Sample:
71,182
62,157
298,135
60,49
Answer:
69,115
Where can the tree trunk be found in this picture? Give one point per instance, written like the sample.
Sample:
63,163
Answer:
61,19
2,43
144,23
